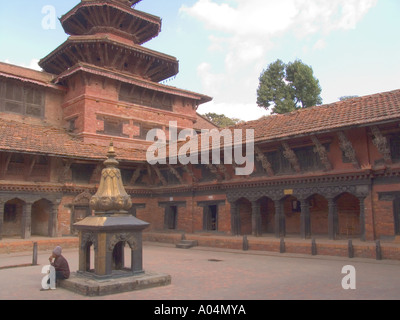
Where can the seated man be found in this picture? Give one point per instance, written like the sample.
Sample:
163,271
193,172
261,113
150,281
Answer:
60,264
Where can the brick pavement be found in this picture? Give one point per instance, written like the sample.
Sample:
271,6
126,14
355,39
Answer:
221,274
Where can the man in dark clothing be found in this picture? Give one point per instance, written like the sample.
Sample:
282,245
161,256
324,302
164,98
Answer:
60,264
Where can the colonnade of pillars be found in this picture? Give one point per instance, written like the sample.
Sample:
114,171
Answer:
26,220
305,221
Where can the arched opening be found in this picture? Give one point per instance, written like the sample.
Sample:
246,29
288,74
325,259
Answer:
348,212
89,257
118,256
12,218
292,211
319,212
267,212
41,213
122,258
245,214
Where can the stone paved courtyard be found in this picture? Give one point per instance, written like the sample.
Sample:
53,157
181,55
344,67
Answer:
215,274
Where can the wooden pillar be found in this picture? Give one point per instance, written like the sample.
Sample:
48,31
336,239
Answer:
305,223
1,219
137,257
256,219
362,219
280,229
235,219
53,218
102,256
26,221
332,219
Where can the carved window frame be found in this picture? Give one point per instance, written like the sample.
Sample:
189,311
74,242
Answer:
394,142
21,99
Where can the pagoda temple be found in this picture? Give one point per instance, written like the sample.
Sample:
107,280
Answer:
113,81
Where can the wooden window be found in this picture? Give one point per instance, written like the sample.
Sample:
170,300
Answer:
14,98
280,165
82,173
25,100
145,97
33,102
395,148
113,128
308,159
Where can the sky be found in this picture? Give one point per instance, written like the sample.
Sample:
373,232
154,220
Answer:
223,46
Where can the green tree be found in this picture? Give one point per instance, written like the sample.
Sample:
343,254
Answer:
288,87
221,120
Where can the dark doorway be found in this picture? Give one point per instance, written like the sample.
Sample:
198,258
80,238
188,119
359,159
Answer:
210,218
118,256
171,217
396,212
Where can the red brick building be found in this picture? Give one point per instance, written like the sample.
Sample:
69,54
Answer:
331,170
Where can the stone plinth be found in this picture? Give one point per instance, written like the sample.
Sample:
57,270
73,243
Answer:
108,235
86,286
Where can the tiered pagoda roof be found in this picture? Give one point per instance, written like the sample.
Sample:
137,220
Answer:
117,17
109,34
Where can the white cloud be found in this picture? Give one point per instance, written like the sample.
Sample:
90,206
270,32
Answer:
34,64
320,44
242,111
246,30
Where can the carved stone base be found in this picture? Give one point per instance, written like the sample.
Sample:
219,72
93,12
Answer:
87,286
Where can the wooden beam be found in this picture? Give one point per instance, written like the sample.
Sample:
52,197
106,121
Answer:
150,174
106,56
191,173
260,156
79,24
31,166
88,53
6,163
65,175
382,144
148,66
347,147
222,169
176,174
136,175
215,171
160,176
323,154
289,154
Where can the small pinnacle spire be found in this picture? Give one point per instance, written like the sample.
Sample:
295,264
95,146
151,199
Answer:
111,161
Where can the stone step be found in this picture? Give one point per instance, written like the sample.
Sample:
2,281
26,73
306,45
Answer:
187,244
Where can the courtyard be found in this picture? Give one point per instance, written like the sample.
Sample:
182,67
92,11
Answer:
212,274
